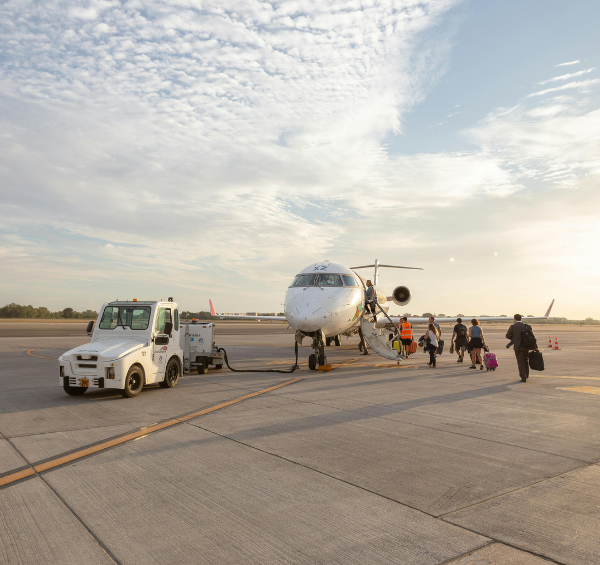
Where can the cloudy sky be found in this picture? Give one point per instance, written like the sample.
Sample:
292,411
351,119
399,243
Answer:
214,148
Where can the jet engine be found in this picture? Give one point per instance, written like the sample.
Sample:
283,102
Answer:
401,295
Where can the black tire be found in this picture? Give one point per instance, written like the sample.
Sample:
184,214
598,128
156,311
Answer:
312,362
134,382
219,366
322,359
172,373
337,341
327,341
202,369
75,390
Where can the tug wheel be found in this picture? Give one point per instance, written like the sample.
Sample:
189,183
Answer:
171,374
134,382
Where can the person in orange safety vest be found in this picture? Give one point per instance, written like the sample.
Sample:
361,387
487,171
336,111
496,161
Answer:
406,335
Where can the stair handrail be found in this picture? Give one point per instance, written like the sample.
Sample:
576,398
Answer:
396,330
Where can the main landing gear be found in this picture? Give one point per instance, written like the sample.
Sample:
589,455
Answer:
335,339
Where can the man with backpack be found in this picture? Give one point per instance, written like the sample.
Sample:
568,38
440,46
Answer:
460,340
521,336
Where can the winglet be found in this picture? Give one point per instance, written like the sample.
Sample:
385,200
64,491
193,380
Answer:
213,313
549,308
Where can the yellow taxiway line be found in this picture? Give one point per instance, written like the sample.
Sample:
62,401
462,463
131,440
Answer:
17,475
586,389
29,352
563,377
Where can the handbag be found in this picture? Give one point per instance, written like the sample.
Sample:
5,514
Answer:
536,360
452,348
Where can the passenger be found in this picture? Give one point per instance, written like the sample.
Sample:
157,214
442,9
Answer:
406,335
460,340
371,299
431,338
437,327
476,343
515,333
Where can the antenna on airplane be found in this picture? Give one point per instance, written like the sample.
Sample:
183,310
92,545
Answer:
377,265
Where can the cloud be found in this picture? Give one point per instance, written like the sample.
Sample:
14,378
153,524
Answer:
217,147
569,63
583,84
568,76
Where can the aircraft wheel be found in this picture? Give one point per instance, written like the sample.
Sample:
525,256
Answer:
327,341
338,341
322,359
312,362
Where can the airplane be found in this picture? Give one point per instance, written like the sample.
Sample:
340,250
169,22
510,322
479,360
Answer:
326,300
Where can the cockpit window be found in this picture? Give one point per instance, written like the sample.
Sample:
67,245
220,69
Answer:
304,280
324,279
329,280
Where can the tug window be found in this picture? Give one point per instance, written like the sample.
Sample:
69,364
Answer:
304,280
349,280
134,317
164,316
329,280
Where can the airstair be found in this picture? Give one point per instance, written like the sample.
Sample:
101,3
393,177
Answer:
377,338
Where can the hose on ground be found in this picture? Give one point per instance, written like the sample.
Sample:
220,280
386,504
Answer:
290,370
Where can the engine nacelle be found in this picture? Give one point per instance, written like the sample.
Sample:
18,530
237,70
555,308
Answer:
401,295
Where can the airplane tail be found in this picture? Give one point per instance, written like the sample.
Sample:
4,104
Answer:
549,308
212,308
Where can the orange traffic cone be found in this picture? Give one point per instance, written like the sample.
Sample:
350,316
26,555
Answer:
550,341
556,343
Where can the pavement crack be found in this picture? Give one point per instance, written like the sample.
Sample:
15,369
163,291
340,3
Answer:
62,501
584,462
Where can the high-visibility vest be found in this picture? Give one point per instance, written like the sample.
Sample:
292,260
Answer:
405,331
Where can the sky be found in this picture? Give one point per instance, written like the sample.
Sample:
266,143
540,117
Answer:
213,149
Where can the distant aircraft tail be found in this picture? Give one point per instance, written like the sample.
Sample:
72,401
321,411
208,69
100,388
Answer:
213,313
549,308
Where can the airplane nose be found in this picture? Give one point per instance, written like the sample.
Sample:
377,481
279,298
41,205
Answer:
309,316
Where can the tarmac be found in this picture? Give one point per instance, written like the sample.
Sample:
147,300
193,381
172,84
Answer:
370,463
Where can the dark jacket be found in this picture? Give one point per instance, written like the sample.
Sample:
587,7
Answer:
515,334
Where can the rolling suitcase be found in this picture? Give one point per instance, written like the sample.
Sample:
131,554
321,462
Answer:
536,360
412,348
490,361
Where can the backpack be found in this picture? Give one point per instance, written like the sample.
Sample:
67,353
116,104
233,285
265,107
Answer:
528,340
462,331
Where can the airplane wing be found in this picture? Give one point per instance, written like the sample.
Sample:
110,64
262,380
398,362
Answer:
244,316
411,319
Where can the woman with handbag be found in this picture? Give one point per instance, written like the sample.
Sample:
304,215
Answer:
476,343
431,339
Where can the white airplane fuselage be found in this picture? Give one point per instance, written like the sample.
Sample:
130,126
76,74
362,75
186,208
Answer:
329,303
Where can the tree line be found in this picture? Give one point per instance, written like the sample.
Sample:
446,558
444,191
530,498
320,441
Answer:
19,311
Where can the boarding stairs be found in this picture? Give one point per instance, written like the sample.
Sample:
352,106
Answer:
377,338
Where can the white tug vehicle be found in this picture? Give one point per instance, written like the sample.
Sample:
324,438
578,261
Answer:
134,343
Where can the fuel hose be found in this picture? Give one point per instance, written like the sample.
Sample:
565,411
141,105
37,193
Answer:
290,370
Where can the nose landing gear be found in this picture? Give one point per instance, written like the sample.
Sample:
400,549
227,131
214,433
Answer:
317,358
